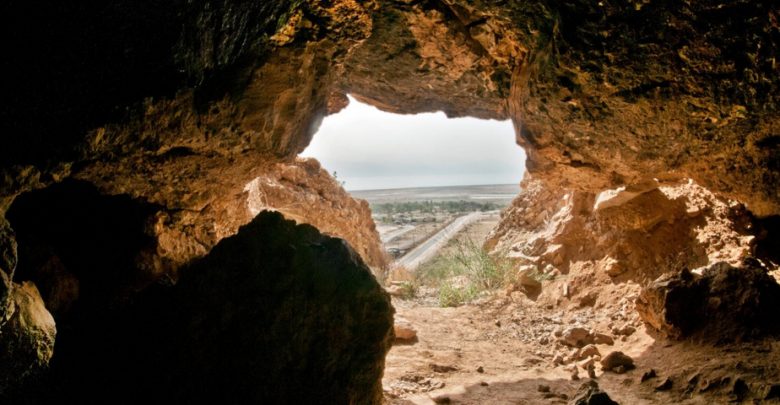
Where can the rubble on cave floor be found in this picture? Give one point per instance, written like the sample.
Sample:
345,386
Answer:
507,348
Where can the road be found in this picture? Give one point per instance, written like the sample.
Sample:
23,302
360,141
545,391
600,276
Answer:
396,233
427,249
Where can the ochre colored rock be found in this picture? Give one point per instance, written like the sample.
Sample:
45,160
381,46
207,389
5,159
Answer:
26,338
302,190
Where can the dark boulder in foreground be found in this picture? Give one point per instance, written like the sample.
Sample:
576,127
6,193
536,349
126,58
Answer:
277,314
724,303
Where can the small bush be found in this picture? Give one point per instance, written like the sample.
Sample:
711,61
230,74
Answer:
465,259
452,296
408,290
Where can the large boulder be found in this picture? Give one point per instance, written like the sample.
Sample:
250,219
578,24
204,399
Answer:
276,314
723,303
26,338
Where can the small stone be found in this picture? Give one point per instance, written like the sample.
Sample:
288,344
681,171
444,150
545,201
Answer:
647,375
498,323
558,360
665,386
576,337
543,388
480,369
483,383
588,351
544,340
615,360
575,375
603,339
404,332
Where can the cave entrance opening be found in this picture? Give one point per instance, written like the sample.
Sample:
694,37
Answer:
427,178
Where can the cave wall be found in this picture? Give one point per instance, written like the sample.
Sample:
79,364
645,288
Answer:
177,106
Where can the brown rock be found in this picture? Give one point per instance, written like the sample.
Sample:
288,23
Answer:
328,207
589,393
576,337
617,359
404,332
26,338
588,351
742,300
603,339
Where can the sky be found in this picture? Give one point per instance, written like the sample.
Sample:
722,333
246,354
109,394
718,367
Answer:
371,149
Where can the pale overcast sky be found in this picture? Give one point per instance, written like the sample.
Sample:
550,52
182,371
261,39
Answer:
372,149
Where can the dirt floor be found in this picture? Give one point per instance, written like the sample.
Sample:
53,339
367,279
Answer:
505,348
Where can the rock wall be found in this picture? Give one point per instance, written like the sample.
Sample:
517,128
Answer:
303,191
277,313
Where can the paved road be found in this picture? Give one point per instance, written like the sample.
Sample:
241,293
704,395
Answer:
427,249
396,233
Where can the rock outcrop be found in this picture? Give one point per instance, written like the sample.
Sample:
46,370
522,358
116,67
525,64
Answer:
723,304
303,191
631,233
275,314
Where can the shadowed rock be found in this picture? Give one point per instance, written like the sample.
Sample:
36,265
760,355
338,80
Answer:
725,303
277,314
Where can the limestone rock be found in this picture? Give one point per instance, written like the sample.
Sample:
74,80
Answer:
588,351
724,303
603,339
404,332
302,190
576,337
26,338
617,359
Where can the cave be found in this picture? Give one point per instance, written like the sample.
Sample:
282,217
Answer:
139,262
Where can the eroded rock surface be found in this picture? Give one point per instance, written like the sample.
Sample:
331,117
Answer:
724,303
303,191
275,314
635,233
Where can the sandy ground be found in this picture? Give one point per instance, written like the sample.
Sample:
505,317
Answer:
501,349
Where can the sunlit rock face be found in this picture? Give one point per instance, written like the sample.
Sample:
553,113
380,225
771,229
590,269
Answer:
303,191
176,106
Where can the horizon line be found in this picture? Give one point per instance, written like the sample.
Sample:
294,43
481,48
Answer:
407,188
